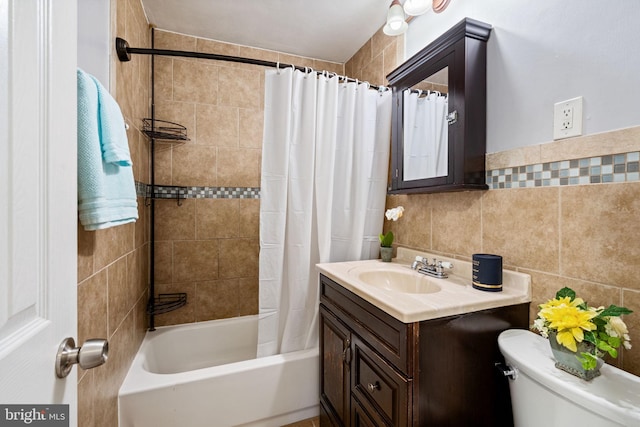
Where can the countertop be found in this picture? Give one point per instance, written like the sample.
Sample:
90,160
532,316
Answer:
456,294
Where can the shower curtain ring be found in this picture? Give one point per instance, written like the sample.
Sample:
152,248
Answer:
278,67
307,71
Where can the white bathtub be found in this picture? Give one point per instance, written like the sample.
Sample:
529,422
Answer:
207,374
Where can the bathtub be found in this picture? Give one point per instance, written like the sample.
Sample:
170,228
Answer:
207,374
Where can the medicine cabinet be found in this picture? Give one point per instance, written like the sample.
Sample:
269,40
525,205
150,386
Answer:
439,114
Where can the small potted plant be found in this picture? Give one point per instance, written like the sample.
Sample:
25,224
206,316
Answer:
386,240
580,335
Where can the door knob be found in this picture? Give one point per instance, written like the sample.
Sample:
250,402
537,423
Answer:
93,353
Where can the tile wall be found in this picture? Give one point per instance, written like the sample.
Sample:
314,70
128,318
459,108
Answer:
113,264
582,233
208,245
583,236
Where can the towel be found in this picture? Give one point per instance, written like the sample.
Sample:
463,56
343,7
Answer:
106,189
113,134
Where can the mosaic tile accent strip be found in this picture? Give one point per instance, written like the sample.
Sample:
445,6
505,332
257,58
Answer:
592,170
141,189
176,192
223,192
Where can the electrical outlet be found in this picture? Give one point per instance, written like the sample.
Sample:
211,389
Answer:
567,118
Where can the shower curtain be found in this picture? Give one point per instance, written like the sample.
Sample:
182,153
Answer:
324,175
425,135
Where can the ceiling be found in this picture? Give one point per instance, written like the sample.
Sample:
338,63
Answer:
331,30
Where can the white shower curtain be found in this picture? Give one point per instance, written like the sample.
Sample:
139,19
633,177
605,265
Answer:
426,149
324,175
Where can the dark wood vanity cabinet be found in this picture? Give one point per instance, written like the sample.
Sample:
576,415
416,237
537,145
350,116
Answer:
377,371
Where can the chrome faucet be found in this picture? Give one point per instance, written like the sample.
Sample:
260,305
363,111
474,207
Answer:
433,269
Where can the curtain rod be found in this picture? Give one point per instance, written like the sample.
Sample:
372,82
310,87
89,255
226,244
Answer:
124,52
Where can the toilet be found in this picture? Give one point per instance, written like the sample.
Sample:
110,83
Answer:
543,395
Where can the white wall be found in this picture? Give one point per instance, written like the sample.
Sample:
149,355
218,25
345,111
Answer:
545,51
94,38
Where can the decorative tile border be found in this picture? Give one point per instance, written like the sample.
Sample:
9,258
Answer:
591,170
175,192
223,192
622,167
141,189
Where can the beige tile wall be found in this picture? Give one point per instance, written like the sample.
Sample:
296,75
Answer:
209,248
113,264
584,237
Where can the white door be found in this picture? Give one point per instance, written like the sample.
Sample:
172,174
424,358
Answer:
37,199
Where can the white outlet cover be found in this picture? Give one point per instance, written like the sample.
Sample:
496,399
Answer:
560,130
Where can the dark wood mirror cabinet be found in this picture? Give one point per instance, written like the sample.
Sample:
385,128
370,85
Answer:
453,69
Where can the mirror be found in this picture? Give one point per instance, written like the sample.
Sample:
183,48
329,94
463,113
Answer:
439,114
425,133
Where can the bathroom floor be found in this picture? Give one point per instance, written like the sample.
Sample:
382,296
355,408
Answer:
310,422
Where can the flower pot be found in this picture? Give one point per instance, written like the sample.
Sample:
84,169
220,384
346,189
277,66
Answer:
567,360
386,253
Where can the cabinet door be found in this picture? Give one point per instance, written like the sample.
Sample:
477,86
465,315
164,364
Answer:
360,417
335,348
381,391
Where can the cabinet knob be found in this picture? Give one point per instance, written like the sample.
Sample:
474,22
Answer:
373,387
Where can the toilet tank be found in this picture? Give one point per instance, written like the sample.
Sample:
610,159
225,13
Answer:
543,395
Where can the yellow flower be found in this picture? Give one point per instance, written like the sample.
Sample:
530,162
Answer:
570,322
573,321
562,301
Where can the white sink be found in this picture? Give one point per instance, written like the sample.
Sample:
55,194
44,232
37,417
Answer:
393,279
410,296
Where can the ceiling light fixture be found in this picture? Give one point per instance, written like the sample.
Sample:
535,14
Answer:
439,5
419,7
416,7
396,24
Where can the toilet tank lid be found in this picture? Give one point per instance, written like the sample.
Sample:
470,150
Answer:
615,393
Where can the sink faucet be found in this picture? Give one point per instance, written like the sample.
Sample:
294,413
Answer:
434,269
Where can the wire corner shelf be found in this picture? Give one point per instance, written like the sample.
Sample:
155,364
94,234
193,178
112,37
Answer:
175,192
165,303
164,130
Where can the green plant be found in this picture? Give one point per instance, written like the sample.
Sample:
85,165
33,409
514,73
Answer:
386,240
574,321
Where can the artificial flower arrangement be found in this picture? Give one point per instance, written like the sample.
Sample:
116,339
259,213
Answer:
393,214
574,321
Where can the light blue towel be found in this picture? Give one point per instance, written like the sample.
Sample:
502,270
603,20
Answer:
106,189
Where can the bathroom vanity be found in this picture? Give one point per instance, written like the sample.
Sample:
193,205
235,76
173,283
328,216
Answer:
400,349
